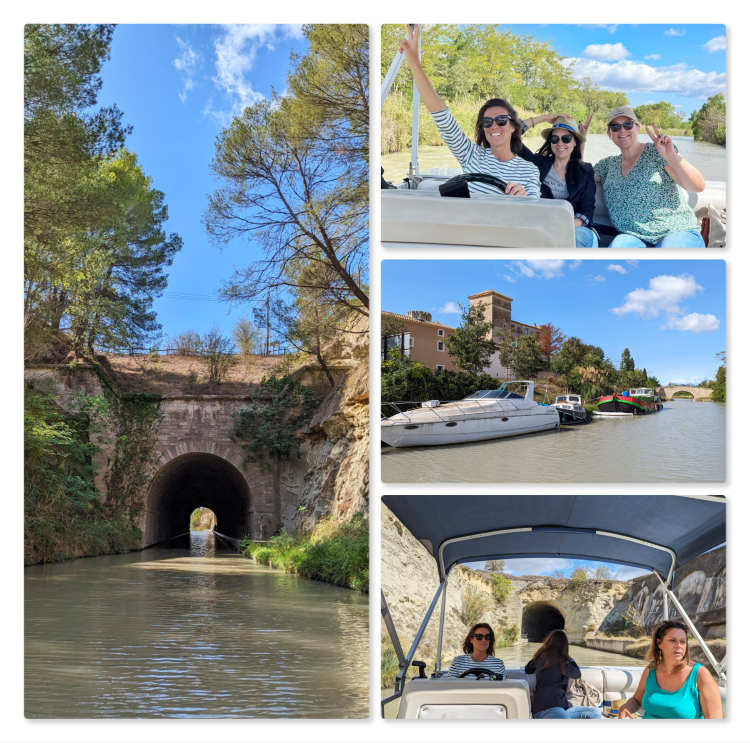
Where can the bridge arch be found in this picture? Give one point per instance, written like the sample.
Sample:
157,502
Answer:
186,480
539,618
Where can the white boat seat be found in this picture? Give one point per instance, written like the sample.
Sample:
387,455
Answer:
464,699
616,683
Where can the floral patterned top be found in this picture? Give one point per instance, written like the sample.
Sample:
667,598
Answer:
645,203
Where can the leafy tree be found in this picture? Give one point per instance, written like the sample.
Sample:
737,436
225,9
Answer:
391,325
710,121
600,572
246,336
471,346
501,587
550,339
495,566
719,393
626,361
521,356
663,114
216,352
578,578
187,343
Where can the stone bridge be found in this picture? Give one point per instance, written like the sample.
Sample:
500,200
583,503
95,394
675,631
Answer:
698,393
197,464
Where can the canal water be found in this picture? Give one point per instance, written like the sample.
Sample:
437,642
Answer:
194,630
710,159
519,655
685,442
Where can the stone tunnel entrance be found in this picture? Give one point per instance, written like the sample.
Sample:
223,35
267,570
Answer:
539,619
188,482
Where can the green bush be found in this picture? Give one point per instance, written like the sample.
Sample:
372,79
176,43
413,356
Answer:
333,552
388,665
501,587
475,605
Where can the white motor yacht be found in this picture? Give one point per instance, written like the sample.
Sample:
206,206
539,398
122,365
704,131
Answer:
627,529
486,414
571,410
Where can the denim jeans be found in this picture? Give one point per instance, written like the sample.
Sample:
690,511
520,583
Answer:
572,713
586,238
691,239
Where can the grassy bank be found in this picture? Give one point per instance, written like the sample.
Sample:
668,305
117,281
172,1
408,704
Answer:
332,552
395,123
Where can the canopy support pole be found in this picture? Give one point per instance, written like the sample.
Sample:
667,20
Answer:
390,76
414,164
400,678
440,631
385,612
720,668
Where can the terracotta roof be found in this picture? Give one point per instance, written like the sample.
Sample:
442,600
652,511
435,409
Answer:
419,322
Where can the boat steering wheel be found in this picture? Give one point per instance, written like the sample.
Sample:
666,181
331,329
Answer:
479,672
458,186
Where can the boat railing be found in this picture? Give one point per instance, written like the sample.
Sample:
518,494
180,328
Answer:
413,406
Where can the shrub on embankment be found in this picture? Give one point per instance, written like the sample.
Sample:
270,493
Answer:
332,552
63,515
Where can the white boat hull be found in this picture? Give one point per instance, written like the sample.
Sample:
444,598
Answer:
477,428
613,415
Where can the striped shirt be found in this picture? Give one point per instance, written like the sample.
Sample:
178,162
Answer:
475,159
463,663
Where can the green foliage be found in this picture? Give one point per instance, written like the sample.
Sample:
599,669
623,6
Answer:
584,368
710,121
391,325
388,665
719,393
663,114
333,552
404,379
246,336
63,515
626,361
216,352
471,345
578,578
475,604
522,356
501,587
267,427
601,572
495,566
507,636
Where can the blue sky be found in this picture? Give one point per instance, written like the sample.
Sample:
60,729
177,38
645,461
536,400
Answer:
671,314
546,566
683,64
179,86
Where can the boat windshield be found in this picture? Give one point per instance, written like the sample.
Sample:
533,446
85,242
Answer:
488,394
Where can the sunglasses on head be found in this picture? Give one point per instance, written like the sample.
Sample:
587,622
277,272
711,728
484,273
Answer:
554,139
628,125
500,120
488,636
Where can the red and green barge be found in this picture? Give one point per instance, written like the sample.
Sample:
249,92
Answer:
630,402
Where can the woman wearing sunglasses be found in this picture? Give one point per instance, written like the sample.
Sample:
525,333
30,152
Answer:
554,668
497,133
644,188
478,646
563,173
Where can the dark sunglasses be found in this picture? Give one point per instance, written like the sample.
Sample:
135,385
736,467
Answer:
483,637
616,127
501,120
554,139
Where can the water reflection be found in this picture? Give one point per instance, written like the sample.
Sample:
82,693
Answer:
194,631
686,442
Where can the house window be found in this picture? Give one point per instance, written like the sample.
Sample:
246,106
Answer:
439,367
525,331
411,342
441,346
440,332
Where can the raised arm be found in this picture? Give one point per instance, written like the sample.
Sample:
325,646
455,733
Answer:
410,49
709,695
542,119
678,168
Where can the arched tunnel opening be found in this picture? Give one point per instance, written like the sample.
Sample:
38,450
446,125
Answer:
539,619
192,481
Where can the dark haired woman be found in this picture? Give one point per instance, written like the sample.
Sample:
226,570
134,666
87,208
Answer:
478,648
497,133
563,173
675,688
554,668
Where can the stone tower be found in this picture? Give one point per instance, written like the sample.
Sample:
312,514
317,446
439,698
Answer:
497,308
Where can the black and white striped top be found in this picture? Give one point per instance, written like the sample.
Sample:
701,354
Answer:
463,663
476,159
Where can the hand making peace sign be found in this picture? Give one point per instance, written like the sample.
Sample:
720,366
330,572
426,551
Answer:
664,145
410,47
583,129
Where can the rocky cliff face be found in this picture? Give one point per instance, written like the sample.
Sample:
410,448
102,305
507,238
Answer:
409,580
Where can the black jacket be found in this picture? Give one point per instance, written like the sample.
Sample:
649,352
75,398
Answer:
579,179
551,685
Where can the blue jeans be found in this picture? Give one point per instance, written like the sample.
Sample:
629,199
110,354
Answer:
586,238
572,713
691,239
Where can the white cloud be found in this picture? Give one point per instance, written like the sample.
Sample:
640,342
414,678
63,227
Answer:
605,52
510,279
617,267
611,27
716,44
187,64
236,52
631,76
573,265
536,565
537,268
633,263
595,278
675,32
449,308
694,323
663,295
685,382
626,572
653,56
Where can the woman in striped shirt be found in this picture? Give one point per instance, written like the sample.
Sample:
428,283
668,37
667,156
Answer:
478,646
497,133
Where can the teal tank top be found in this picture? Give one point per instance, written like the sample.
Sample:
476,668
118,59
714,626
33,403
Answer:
683,704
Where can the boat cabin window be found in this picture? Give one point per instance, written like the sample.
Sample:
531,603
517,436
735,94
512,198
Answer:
489,394
574,398
560,399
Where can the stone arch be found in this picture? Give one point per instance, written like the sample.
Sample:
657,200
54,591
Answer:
683,395
539,618
190,476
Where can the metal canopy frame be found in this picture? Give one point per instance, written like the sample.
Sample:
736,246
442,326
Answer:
719,667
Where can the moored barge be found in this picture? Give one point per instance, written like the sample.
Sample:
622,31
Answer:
639,401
